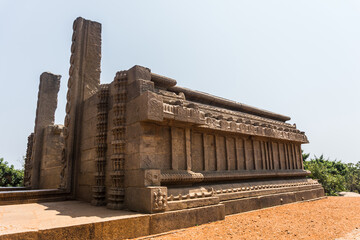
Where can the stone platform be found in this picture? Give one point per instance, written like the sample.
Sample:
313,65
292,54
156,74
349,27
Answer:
80,220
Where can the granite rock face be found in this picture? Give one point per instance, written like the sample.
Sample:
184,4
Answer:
145,144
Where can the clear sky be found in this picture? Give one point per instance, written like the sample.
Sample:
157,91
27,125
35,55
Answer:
298,58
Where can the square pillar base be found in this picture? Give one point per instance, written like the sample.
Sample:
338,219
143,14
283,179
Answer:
146,199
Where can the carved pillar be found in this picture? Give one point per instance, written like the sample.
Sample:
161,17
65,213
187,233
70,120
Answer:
45,115
301,158
99,190
116,193
188,148
143,192
174,159
206,152
83,82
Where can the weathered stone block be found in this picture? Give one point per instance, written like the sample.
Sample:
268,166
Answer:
147,200
138,87
142,178
138,73
133,161
193,203
147,107
123,228
185,218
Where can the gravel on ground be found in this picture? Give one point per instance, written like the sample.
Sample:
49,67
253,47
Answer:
329,218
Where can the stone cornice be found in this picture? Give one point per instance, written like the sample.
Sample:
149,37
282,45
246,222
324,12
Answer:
230,121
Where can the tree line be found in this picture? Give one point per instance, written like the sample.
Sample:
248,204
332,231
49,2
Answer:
335,176
9,176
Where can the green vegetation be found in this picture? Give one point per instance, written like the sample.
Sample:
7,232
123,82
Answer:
9,176
334,175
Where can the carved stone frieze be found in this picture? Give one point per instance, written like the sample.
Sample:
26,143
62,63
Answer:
201,194
266,186
160,200
181,176
231,121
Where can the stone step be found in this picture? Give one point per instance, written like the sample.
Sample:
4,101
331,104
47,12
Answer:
12,188
32,196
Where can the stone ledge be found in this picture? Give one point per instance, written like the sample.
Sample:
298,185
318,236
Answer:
192,203
2,189
259,202
209,99
176,177
32,196
163,222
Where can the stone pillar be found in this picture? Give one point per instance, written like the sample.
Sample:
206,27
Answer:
84,81
45,116
143,192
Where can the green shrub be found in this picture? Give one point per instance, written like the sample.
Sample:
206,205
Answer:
9,176
334,176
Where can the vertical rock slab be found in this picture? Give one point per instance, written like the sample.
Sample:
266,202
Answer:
45,116
28,162
84,81
50,165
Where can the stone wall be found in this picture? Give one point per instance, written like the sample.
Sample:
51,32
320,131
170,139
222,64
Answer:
51,157
181,148
86,164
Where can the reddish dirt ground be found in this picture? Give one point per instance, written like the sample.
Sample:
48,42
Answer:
329,218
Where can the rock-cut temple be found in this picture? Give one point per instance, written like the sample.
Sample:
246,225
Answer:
145,144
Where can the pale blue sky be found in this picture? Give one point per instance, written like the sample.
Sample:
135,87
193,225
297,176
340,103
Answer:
298,58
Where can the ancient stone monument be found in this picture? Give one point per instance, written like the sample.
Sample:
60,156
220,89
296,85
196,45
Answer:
144,144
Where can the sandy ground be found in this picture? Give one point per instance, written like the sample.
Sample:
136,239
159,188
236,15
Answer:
330,218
